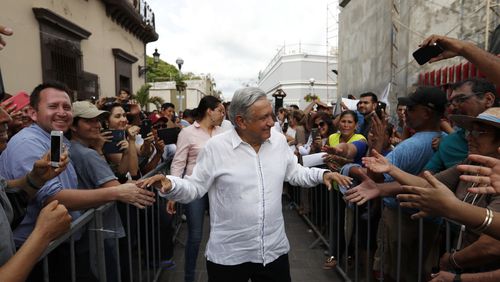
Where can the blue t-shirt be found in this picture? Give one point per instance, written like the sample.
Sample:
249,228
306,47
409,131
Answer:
93,172
26,147
411,155
453,149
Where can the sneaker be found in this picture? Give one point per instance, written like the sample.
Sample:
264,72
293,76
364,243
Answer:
330,263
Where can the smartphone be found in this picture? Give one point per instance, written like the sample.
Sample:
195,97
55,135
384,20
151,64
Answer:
380,110
56,143
20,100
314,133
112,146
169,135
423,54
146,125
126,108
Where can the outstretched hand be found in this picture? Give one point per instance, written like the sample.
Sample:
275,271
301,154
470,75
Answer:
434,200
364,192
487,176
452,47
129,193
329,177
158,181
377,163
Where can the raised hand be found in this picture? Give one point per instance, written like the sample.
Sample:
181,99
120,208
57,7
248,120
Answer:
434,200
377,163
451,46
487,176
42,170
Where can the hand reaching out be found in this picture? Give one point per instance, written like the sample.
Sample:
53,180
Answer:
487,176
364,192
434,200
158,181
377,163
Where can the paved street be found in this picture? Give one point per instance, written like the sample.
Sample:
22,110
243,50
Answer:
305,263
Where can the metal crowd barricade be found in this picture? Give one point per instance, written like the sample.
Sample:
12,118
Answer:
343,233
143,252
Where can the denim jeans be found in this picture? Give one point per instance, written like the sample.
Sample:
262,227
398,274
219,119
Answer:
195,212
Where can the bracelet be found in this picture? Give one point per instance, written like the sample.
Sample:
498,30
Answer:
453,262
488,219
30,182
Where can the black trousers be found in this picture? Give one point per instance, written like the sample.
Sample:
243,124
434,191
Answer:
276,271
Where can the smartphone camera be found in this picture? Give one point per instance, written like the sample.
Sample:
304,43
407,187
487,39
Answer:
424,54
56,143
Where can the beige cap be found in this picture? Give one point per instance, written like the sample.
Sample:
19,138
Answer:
85,109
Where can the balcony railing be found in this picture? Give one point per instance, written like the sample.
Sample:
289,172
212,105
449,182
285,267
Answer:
135,16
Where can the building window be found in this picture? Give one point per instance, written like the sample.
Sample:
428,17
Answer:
123,70
61,53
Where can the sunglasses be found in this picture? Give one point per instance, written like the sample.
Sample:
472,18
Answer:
475,133
320,124
159,126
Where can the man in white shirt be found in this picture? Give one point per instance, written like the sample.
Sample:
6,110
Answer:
243,171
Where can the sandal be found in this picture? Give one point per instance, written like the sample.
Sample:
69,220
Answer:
330,263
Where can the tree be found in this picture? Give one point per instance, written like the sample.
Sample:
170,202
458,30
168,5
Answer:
142,97
164,71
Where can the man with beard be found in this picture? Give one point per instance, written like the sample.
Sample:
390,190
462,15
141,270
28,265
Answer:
469,97
366,106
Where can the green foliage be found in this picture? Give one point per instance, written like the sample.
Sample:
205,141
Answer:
310,97
157,101
163,71
142,95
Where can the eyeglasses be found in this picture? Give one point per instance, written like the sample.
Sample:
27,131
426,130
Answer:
462,98
159,126
475,133
320,124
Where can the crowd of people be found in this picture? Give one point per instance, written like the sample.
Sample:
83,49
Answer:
437,158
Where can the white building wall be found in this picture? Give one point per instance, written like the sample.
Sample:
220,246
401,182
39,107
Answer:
292,74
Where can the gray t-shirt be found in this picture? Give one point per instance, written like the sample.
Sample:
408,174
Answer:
93,171
7,247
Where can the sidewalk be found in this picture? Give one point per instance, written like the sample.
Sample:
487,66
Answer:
305,264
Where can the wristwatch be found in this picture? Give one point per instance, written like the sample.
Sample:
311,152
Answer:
457,278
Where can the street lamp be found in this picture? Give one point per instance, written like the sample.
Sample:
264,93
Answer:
143,69
179,84
179,63
156,57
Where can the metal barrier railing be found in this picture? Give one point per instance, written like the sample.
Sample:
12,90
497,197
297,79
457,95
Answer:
142,245
350,234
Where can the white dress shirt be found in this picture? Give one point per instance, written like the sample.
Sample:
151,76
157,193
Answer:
244,189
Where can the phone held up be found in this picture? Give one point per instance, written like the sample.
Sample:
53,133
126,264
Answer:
112,146
423,54
146,126
56,147
20,100
314,133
